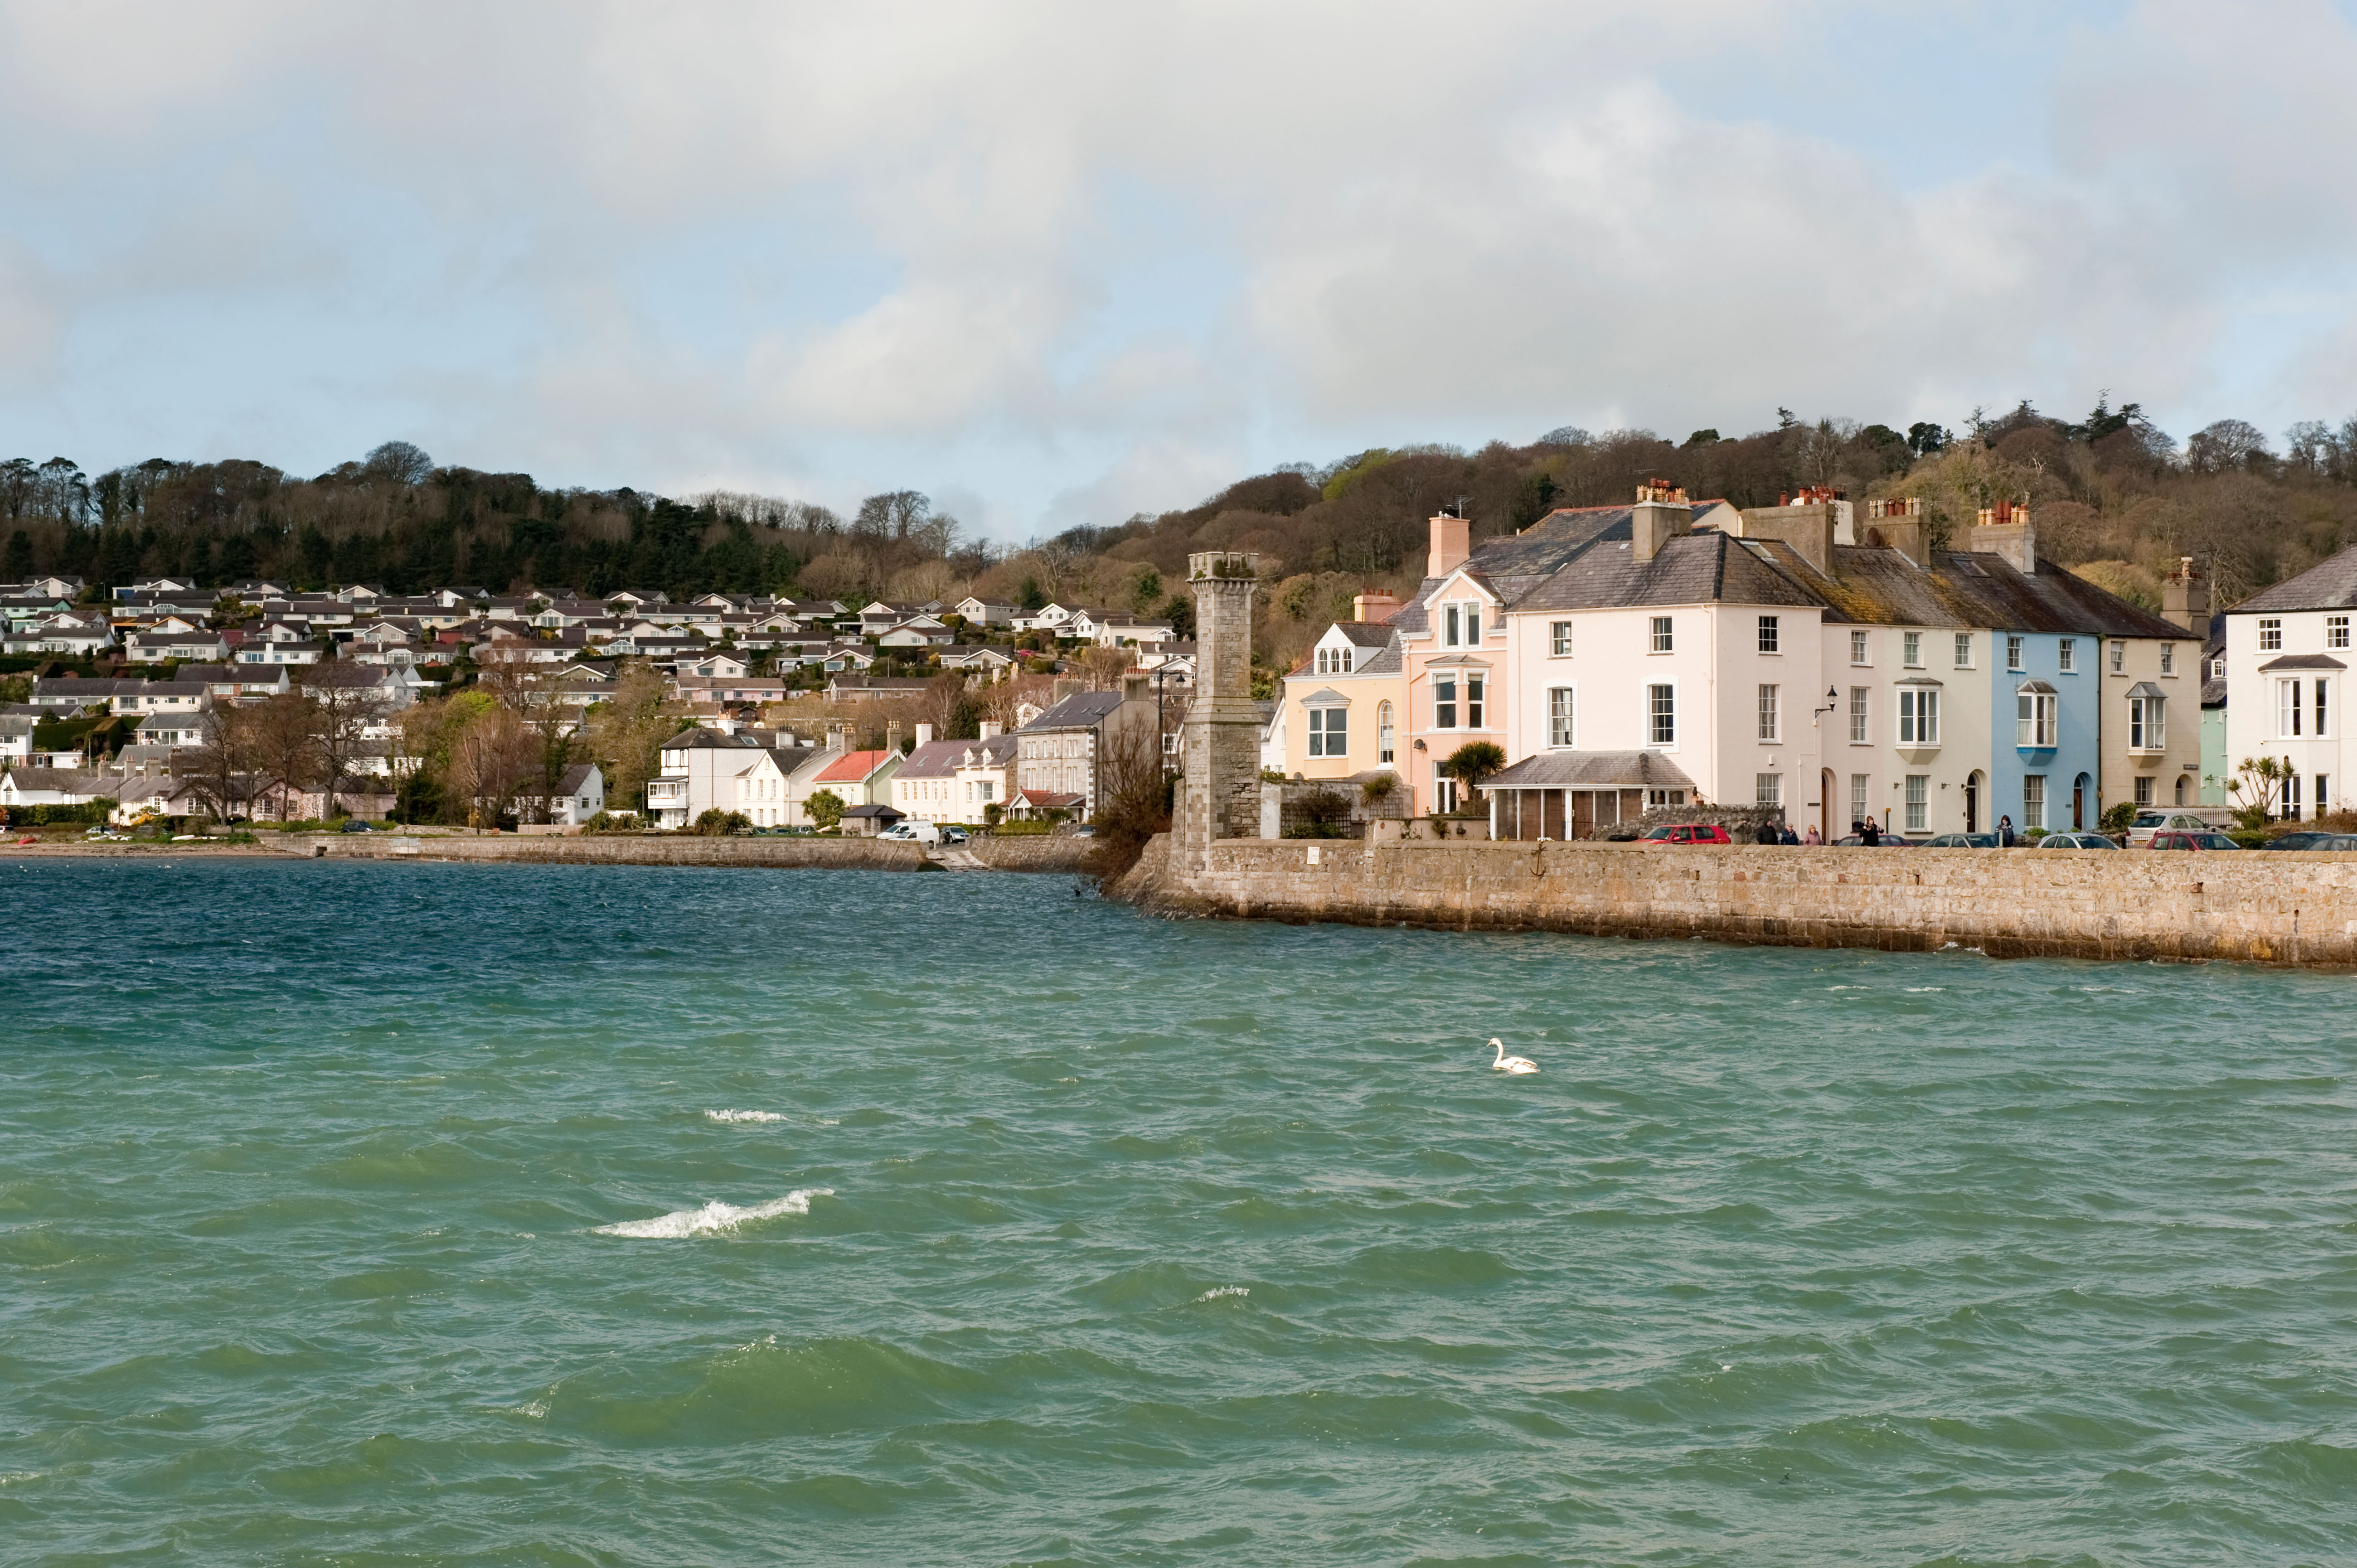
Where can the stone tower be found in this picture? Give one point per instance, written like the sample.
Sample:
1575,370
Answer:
1220,797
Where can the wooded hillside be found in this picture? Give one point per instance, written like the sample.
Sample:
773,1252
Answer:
2111,495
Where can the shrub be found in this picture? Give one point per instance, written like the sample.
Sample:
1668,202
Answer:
2116,817
717,824
1379,789
1020,829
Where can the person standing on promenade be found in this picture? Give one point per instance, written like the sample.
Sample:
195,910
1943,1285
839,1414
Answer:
1813,838
2004,833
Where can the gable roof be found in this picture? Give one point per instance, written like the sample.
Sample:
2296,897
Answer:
934,759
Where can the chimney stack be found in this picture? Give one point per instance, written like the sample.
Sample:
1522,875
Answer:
1661,514
1897,524
1134,689
892,735
1450,546
989,729
924,734
2185,598
1065,687
2005,530
1377,606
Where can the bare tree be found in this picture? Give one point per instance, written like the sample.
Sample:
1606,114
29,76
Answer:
221,767
492,759
348,702
627,730
284,746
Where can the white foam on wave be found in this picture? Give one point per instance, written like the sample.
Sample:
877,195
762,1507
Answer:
1216,1291
715,1218
743,1116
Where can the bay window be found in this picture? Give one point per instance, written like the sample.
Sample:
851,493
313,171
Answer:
1473,701
2034,718
2287,709
2146,721
1919,716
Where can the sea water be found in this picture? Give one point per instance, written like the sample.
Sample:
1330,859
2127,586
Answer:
373,1214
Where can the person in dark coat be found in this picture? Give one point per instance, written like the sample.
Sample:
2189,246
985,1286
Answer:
2004,833
1871,834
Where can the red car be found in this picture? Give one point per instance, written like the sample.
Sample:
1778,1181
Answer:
2192,840
1688,832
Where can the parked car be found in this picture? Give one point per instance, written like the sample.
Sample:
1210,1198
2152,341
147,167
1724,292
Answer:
2305,839
2177,839
2076,841
953,835
1888,841
354,825
1688,832
2178,818
2315,841
1958,841
1085,830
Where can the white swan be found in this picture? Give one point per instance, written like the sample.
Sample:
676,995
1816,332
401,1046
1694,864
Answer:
1511,1064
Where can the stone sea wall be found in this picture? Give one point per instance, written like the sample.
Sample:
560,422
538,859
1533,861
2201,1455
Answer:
1034,852
2123,903
793,853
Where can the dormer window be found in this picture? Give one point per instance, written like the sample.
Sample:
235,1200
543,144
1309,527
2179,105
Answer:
1334,661
1462,626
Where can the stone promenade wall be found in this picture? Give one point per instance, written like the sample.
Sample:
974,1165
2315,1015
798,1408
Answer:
2124,904
794,853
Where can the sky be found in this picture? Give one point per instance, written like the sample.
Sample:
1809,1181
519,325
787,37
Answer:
1056,263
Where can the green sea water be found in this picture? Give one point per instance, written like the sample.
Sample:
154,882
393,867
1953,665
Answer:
366,1214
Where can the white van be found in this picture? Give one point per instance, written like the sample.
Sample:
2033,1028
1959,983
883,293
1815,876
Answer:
916,833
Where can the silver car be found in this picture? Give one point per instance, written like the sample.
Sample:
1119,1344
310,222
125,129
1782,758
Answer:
2076,841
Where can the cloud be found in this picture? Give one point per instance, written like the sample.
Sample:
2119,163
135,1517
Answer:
1085,260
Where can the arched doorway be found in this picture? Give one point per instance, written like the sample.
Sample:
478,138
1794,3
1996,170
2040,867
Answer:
1974,788
1825,806
2079,787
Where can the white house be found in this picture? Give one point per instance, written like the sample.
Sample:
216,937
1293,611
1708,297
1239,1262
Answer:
2288,658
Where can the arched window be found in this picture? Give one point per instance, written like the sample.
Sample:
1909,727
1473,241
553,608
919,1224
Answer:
1383,734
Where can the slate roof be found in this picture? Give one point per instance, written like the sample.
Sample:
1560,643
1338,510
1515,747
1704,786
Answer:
1363,633
2303,661
1592,770
1083,710
934,759
575,778
1694,568
2330,586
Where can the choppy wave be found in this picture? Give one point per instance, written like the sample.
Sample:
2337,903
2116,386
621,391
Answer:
714,1217
744,1116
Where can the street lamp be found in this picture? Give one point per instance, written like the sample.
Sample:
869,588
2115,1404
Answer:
1833,701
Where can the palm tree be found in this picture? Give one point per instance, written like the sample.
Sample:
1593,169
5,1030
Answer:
1471,763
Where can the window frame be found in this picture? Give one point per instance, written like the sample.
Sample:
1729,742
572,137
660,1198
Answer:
2168,658
2289,705
1661,715
1768,789
1963,650
1563,718
1910,651
1917,798
1327,721
2336,631
2016,651
1919,716
1772,712
2270,633
1386,735
1444,702
1559,640
1861,716
1476,696
1861,650
2147,724
1770,637
1663,637
2066,655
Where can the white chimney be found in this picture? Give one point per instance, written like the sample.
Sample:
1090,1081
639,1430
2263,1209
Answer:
990,729
924,734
